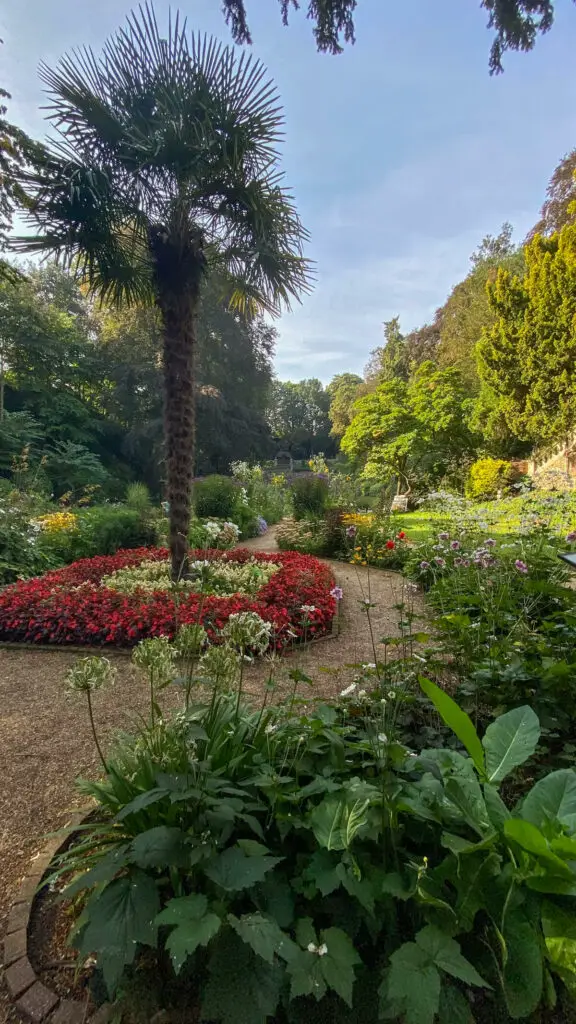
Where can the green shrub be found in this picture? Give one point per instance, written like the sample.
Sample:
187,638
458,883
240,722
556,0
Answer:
101,530
487,477
215,497
278,861
309,495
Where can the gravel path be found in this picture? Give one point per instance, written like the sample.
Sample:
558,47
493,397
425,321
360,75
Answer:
44,736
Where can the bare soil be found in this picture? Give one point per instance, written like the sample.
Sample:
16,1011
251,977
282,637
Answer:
45,740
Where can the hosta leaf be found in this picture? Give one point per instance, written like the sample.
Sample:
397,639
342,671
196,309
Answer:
522,974
119,918
234,870
160,847
241,988
510,741
195,926
455,719
335,823
466,794
264,936
553,798
445,954
475,874
497,810
412,986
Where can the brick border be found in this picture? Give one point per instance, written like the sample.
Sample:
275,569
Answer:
32,999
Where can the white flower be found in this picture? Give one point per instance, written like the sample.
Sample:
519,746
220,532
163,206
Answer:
307,607
361,693
349,689
369,665
323,949
312,948
382,737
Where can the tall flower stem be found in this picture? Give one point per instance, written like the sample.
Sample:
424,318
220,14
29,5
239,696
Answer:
94,733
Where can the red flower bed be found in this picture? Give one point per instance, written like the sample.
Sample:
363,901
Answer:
68,606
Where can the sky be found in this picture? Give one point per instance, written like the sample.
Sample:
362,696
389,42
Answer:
402,153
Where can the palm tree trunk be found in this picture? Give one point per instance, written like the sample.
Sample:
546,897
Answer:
179,321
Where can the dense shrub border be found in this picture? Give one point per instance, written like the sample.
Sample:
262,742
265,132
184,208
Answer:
66,606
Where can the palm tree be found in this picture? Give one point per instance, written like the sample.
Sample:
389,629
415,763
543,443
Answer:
165,167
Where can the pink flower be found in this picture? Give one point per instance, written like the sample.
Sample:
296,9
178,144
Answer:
337,593
491,543
440,562
521,566
424,565
458,561
571,537
351,531
443,536
455,545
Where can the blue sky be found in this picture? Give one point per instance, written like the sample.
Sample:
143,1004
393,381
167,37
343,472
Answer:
402,152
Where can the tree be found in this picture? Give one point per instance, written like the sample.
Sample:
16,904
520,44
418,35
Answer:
343,390
467,311
516,22
298,416
528,356
389,360
405,428
559,207
166,168
17,151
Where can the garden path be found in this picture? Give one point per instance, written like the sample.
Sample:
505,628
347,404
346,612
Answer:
44,736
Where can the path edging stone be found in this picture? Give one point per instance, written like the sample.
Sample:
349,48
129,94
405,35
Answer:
33,1000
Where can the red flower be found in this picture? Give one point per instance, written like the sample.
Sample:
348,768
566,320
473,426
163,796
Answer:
390,545
67,606
401,535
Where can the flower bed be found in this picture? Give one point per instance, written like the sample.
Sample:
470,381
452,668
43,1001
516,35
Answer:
71,606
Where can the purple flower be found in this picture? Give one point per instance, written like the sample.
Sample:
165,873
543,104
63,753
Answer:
571,537
521,566
466,563
262,526
337,593
491,543
443,536
351,531
458,561
441,562
455,545
424,565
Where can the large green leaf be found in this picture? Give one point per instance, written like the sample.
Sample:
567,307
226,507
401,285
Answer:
195,926
264,936
455,719
119,918
321,870
242,988
444,952
522,975
497,810
160,847
553,798
325,963
466,795
559,926
412,986
454,1007
474,875
335,822
531,839
234,870
510,741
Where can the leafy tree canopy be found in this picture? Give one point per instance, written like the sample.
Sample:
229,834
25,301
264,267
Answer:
559,207
343,391
408,427
515,22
